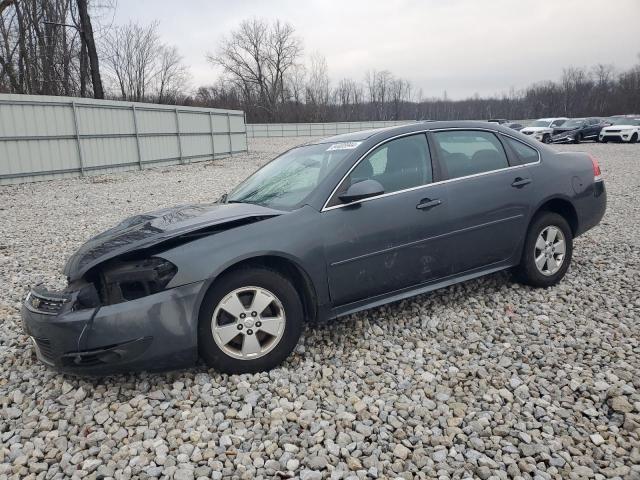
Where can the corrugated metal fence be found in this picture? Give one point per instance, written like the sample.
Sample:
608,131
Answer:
51,137
260,130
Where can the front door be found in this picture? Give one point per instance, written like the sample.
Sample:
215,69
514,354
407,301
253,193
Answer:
392,241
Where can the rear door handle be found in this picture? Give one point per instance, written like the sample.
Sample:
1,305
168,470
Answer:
520,182
427,203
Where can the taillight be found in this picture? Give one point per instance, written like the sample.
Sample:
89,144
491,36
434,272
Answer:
597,174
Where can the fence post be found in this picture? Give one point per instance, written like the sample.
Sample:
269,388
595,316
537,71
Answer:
135,128
213,137
178,134
246,135
229,132
78,142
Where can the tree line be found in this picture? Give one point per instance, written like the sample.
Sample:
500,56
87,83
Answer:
52,47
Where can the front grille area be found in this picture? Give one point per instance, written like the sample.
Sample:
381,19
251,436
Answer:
612,131
44,347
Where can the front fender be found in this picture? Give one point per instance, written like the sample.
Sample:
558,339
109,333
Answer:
289,236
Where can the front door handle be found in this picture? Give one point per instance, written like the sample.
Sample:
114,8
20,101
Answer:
427,203
520,182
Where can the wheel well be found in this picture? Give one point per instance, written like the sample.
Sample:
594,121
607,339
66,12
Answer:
299,278
564,208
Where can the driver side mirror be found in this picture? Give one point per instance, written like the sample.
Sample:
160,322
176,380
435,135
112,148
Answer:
361,190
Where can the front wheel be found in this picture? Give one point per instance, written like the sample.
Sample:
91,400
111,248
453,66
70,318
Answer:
634,138
250,321
546,138
547,251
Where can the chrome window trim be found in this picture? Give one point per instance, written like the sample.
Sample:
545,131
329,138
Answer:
364,155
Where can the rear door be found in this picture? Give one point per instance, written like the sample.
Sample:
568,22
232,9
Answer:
489,193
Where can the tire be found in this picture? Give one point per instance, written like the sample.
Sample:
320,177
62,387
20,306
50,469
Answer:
528,272
546,138
604,140
246,286
634,138
577,138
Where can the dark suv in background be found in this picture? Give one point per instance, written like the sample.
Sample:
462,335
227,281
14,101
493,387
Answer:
576,130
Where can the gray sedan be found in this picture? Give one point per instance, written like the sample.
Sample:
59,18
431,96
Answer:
324,230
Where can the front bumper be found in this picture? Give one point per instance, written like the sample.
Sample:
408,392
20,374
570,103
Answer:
616,136
155,332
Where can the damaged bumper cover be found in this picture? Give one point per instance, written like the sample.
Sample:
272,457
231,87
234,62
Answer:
154,332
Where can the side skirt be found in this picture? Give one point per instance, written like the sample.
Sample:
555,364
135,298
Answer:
378,300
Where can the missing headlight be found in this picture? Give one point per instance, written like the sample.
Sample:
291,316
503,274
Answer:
122,281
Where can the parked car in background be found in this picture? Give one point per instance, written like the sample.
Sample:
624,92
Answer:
513,126
622,129
542,129
324,230
577,130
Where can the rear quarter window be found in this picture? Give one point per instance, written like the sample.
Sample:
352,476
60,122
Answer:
525,153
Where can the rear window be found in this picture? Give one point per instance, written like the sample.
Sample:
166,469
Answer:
468,152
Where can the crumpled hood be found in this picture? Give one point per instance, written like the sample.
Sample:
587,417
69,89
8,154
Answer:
146,230
561,130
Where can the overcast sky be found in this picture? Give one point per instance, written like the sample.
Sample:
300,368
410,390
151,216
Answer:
462,47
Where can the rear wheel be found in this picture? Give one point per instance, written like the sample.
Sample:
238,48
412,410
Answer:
250,321
547,251
578,138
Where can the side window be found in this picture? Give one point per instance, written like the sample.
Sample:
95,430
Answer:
467,152
526,153
399,164
557,123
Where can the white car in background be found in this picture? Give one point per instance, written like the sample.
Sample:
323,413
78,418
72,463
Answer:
542,129
621,130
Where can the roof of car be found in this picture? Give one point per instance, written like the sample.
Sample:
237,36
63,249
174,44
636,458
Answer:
415,126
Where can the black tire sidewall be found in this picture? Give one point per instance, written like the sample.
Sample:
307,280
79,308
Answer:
527,271
270,280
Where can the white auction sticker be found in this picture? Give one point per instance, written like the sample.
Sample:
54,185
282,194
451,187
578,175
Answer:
343,146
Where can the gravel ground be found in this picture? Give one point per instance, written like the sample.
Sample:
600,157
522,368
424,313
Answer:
486,379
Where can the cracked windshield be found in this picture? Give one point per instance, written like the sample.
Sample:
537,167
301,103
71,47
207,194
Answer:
287,181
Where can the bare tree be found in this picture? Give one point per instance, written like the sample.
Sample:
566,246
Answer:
43,48
317,88
140,67
172,74
256,58
88,43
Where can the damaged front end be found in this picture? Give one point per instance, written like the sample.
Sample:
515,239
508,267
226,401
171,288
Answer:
124,308
118,313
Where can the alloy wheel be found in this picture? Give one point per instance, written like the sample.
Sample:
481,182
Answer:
549,250
248,323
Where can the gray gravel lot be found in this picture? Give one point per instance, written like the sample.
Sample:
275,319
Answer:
486,379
